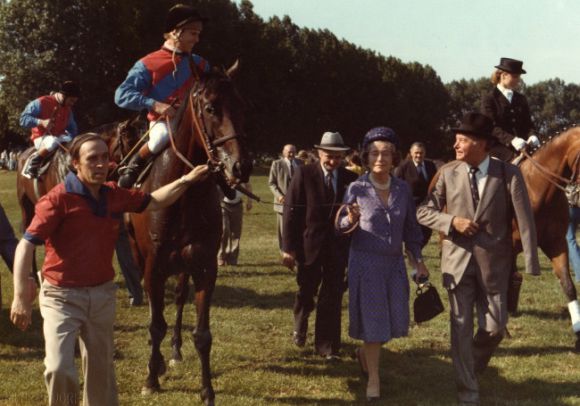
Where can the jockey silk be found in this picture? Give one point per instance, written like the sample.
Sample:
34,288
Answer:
156,78
47,107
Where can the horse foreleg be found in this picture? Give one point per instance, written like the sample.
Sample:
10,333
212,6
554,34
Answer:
202,338
157,330
561,268
181,293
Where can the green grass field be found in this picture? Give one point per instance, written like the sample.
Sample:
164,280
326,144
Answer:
254,362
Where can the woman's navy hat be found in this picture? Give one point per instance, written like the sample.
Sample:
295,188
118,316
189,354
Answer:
380,134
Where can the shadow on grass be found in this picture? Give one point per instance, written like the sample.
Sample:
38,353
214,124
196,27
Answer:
230,297
32,338
544,314
431,378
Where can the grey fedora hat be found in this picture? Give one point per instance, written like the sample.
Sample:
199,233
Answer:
332,142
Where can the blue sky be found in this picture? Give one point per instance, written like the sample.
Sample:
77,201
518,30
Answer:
458,38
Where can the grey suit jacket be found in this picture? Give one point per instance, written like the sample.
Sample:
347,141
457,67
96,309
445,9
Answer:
279,180
492,245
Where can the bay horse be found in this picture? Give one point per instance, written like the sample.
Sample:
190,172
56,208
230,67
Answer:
553,166
183,239
119,136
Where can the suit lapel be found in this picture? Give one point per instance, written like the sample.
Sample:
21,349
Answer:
492,184
461,180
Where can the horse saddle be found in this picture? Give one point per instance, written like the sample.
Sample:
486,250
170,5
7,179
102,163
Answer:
45,164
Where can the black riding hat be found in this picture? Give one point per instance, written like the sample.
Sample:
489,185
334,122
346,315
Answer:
511,66
70,89
475,124
180,15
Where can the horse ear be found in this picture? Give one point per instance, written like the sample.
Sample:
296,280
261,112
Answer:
232,70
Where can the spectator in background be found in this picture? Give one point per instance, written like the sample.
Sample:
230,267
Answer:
232,219
354,163
418,173
281,172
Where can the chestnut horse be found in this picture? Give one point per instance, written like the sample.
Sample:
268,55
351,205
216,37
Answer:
183,239
553,166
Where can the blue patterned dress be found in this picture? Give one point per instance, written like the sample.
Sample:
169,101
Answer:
377,278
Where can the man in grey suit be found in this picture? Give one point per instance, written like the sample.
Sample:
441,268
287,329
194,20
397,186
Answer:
472,204
281,173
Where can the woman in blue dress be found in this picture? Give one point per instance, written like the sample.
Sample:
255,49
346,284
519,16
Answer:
382,208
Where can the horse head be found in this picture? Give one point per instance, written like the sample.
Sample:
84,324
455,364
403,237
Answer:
125,136
216,114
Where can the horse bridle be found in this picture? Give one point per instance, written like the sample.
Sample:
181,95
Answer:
554,178
209,144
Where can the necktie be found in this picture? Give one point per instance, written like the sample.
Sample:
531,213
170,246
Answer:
421,172
291,169
473,184
329,185
509,94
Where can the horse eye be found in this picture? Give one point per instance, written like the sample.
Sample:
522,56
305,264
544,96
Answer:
209,109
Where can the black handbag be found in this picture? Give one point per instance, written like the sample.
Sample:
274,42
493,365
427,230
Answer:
427,304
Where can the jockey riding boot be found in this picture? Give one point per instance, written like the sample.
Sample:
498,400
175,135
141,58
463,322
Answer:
35,162
130,173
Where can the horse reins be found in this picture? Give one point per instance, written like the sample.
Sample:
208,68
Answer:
552,177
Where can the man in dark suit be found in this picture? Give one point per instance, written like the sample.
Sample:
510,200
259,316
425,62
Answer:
311,203
418,172
281,173
509,110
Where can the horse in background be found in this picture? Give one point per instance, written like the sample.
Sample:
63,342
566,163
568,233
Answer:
183,239
555,165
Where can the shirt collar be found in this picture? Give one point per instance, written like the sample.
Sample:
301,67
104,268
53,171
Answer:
169,48
483,166
508,93
325,171
74,185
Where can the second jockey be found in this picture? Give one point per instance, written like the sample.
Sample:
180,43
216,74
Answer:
52,122
159,82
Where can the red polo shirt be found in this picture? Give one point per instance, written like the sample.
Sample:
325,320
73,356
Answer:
80,232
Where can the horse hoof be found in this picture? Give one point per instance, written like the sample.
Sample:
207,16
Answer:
147,391
174,362
208,397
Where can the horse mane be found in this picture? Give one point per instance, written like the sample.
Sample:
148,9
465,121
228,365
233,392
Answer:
553,140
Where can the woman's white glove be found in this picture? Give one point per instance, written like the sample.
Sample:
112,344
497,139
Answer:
533,141
519,144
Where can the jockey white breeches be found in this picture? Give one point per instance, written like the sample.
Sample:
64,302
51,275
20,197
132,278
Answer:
50,142
158,136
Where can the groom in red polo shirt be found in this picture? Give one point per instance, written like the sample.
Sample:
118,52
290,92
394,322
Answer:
78,221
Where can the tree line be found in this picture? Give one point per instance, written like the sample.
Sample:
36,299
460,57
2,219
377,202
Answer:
298,82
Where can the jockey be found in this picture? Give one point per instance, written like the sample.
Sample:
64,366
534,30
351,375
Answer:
52,122
159,82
